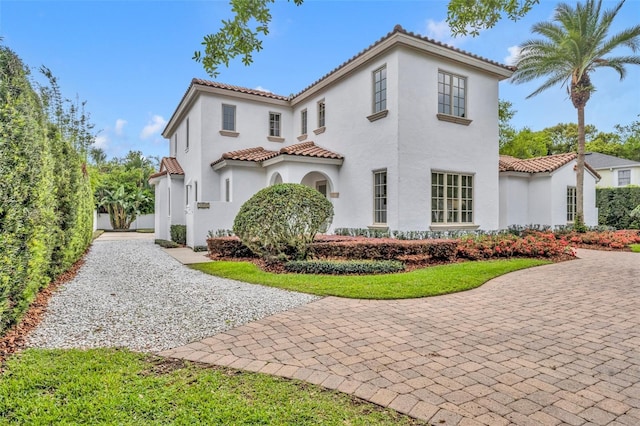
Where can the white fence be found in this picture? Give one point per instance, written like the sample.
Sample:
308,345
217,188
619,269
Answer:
101,221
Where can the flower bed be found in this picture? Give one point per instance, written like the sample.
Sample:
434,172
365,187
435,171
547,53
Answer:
535,244
608,240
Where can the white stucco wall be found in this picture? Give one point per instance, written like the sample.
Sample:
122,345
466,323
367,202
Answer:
146,221
541,198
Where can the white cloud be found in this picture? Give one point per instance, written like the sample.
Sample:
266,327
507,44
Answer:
262,89
119,129
101,141
514,52
440,31
154,126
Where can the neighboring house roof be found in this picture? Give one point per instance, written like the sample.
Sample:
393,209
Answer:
547,164
603,161
399,36
168,165
259,154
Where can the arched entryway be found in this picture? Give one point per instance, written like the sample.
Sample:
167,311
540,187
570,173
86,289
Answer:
318,181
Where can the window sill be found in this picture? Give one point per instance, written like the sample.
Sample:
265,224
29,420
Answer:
453,226
229,133
454,119
378,115
302,137
275,139
320,130
378,227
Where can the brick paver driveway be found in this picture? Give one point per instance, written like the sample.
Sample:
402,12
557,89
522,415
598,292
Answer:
558,344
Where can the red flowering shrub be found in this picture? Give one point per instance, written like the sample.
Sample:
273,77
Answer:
606,239
537,244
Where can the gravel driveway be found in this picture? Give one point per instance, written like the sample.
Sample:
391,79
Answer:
129,293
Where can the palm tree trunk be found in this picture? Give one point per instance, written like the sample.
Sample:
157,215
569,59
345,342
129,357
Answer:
579,219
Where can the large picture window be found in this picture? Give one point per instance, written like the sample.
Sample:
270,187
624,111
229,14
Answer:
452,94
380,89
380,196
451,198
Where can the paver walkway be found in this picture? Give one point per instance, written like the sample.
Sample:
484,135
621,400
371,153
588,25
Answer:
558,344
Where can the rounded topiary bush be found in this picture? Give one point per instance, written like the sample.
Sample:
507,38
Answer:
280,221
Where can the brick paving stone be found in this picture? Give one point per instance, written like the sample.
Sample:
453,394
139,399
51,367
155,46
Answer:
532,346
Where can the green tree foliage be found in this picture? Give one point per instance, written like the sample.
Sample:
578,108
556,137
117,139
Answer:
472,16
121,186
45,197
526,144
506,131
575,44
280,221
563,137
616,207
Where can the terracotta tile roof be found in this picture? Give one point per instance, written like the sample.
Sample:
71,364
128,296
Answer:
251,154
546,164
399,30
259,154
238,89
309,149
168,165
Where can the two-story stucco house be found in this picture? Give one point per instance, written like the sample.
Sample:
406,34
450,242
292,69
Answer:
401,136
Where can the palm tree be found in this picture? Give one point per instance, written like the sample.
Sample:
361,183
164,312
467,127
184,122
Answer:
576,45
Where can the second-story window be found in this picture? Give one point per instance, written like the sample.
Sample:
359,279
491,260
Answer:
229,117
380,89
452,94
303,122
274,124
321,114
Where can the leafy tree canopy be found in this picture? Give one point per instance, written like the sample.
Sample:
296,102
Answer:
472,16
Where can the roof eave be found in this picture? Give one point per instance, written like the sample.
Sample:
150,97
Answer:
302,159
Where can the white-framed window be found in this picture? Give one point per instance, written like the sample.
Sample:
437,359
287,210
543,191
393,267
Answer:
195,190
321,187
451,197
571,204
624,177
321,113
452,94
227,190
229,117
303,122
275,122
380,196
187,140
380,89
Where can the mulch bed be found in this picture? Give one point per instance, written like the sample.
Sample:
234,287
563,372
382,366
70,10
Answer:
15,338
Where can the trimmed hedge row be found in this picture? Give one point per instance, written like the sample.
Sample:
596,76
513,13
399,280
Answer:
615,205
350,248
46,202
350,267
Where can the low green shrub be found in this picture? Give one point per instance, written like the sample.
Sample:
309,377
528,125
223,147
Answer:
350,267
166,243
200,248
179,234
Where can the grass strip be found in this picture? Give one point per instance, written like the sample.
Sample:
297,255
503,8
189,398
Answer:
423,282
116,386
635,248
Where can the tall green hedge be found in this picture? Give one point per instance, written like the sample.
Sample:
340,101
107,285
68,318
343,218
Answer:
615,205
40,234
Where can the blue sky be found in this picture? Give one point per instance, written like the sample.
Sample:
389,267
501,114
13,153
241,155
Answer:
131,60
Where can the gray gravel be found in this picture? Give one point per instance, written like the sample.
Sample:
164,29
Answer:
131,294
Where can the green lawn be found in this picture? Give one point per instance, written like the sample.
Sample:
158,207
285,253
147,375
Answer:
635,248
111,386
430,281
